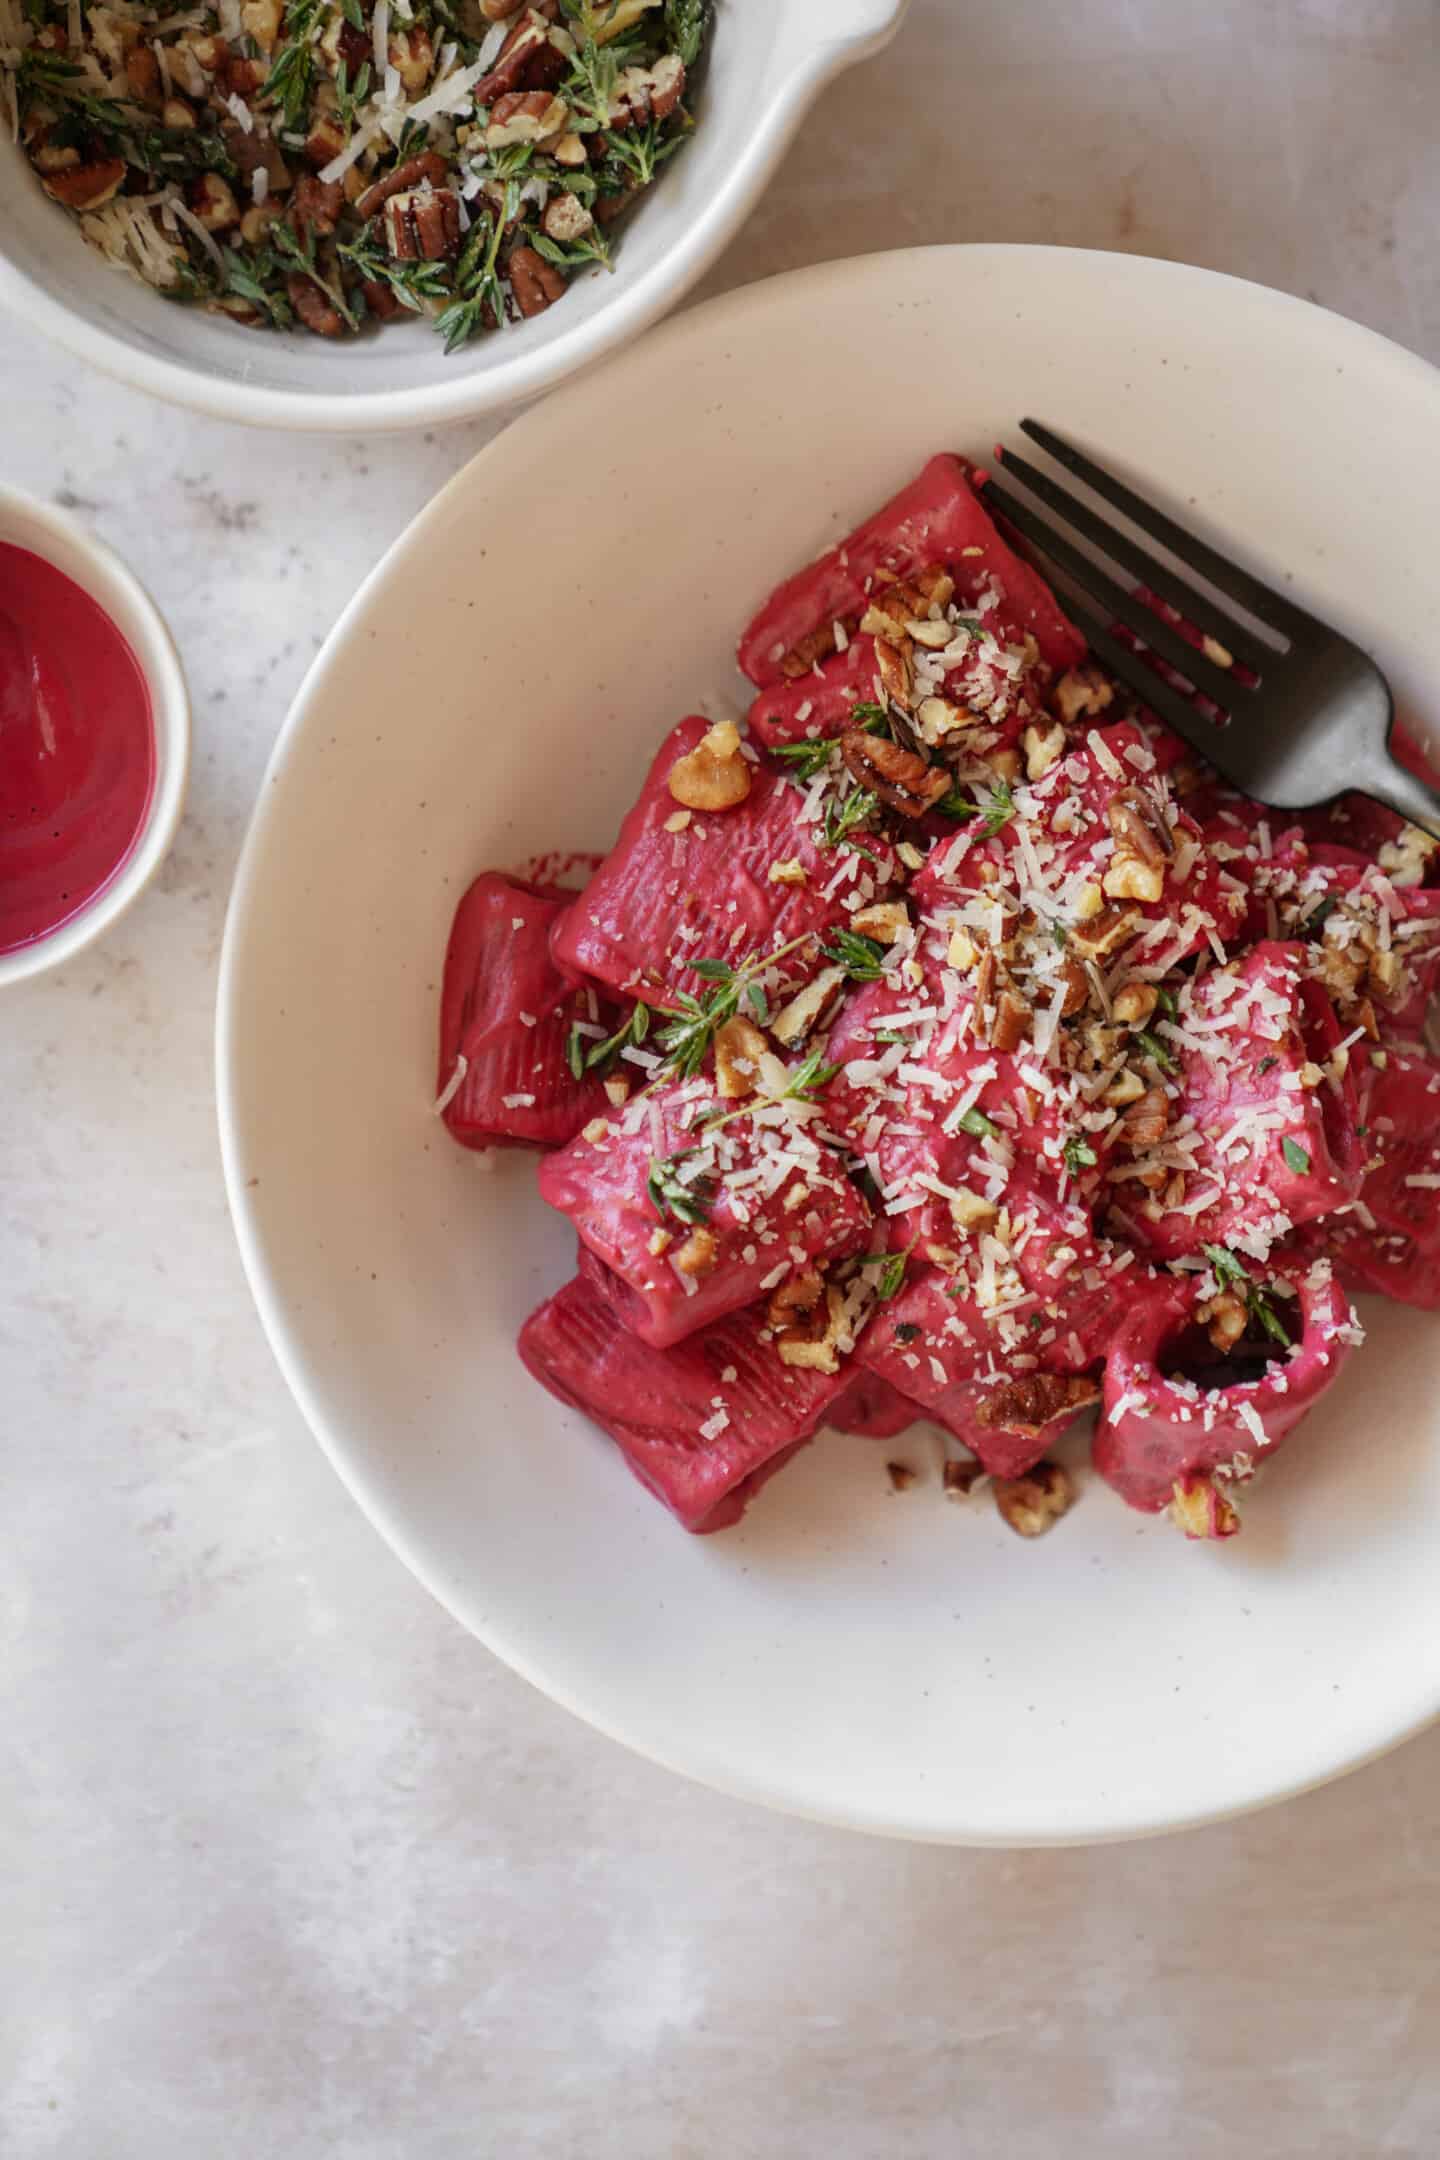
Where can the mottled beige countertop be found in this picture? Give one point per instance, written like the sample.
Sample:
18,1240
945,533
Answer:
291,1866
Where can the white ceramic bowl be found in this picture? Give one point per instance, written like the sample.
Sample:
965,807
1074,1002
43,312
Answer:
88,563
893,1663
769,60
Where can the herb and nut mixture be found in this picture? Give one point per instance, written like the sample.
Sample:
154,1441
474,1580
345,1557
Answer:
322,163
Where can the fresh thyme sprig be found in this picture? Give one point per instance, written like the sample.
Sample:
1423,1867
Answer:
687,1037
690,1199
804,759
476,283
583,1055
862,958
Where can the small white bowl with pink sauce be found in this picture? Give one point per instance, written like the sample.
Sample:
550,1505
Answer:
94,737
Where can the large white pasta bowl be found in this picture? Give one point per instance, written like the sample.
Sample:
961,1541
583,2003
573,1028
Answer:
878,1659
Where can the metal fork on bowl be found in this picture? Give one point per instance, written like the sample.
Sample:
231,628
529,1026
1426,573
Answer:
1294,724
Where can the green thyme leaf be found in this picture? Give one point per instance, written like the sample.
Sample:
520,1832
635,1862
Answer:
862,958
687,1199
979,1126
1296,1157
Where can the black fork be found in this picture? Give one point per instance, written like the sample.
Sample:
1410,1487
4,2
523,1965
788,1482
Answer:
1299,723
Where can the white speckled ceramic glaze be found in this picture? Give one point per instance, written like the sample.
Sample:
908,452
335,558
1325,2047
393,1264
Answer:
769,60
893,1663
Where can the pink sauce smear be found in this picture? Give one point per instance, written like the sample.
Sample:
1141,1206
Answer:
77,748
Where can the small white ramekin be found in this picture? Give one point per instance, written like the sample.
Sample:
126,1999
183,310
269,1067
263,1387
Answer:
61,540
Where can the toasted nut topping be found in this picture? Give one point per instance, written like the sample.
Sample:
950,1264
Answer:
525,116
789,872
971,1212
1310,1075
1404,859
1146,1122
617,1090
677,821
815,645
660,1242
87,186
1033,1504
794,1021
962,951
1082,692
937,719
1138,826
566,218
1029,1404
536,284
816,1356
900,778
1201,1509
809,1333
960,1479
1106,932
714,776
1226,1317
597,1130
1383,970
1012,1021
1088,903
901,1476
699,1253
1134,1002
887,921
1127,878
739,1047
1042,746
934,636
795,1301
896,672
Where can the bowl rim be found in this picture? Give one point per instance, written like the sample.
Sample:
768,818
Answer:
770,1792
69,546
864,27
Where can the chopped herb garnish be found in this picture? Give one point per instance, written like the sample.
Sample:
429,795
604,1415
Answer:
906,1331
1264,1066
1078,1155
862,958
995,808
583,1054
1232,1274
891,1276
1155,1049
476,285
807,1080
1165,1003
979,1126
1296,1157
846,817
687,1199
804,759
1316,920
687,1036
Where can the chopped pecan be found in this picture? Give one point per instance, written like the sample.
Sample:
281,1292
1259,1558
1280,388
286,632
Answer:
901,1476
645,94
1224,1318
900,778
960,1479
610,207
1144,1125
325,140
1042,746
1033,1504
355,47
1201,1510
1028,1404
142,72
312,307
423,226
896,671
1134,1002
1012,1021
527,60
525,116
87,186
739,1047
1138,826
536,285
412,55
213,202
253,152
426,165
796,1302
1106,932
566,219
380,299
1082,693
1077,988
807,1008
500,10
815,645
714,775
699,1255
317,204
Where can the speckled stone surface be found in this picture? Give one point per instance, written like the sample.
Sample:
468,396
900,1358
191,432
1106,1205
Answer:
292,1867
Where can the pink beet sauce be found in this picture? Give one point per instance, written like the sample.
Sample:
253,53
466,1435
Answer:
77,748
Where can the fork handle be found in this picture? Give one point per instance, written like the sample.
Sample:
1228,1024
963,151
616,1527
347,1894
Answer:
1398,788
